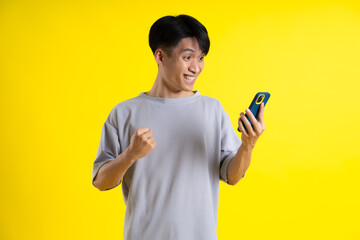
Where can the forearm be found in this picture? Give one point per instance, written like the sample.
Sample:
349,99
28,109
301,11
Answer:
239,164
111,173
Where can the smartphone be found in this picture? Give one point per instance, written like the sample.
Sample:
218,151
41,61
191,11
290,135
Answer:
255,105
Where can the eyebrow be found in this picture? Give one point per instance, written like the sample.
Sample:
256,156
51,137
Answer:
188,49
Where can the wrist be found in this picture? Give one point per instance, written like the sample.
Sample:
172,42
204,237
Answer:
129,155
246,147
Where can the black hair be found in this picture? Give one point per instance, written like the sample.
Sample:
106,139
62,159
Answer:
168,31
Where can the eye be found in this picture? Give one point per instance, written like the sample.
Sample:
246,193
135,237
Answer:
187,57
201,58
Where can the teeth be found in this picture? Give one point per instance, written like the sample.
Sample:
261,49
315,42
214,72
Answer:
189,78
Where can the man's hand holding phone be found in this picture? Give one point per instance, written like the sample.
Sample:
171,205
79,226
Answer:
251,134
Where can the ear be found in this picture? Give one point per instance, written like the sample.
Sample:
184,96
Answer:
159,56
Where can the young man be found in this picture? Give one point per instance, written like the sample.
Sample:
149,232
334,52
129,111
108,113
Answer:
170,146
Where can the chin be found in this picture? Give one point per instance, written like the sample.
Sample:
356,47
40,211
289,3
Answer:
188,89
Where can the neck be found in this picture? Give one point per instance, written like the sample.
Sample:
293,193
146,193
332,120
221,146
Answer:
160,89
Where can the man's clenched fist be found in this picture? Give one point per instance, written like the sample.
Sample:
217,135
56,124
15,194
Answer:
141,143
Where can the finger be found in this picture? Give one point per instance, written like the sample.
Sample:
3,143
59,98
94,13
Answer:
254,121
251,116
147,134
242,129
239,123
245,121
141,131
261,115
151,140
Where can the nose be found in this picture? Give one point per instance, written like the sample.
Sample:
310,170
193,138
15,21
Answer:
195,68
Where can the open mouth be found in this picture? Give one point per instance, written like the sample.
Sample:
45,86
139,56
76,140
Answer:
189,79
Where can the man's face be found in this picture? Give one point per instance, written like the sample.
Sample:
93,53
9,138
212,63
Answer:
182,68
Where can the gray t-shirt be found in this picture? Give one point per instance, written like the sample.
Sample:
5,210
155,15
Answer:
172,193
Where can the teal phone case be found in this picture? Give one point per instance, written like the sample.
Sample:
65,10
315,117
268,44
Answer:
255,105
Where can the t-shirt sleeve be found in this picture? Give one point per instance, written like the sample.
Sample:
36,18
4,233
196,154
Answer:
109,147
230,143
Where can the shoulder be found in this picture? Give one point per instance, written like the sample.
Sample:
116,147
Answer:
216,107
128,104
123,110
212,102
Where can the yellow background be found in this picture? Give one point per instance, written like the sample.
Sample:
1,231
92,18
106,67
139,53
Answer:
65,64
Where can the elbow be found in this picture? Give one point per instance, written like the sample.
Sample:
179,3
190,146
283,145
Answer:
101,189
234,181
99,186
104,187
